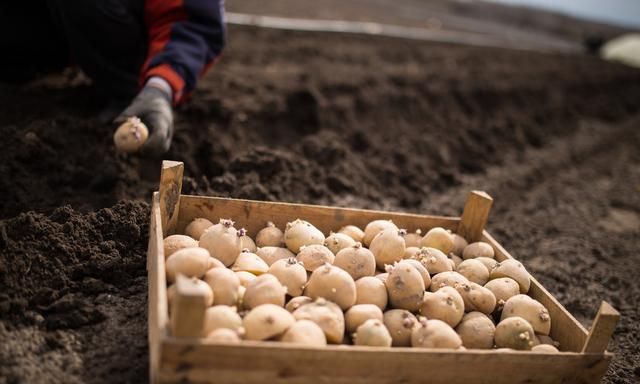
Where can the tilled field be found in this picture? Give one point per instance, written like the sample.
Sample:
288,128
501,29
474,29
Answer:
328,119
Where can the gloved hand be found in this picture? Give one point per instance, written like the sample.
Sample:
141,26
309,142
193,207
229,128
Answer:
153,107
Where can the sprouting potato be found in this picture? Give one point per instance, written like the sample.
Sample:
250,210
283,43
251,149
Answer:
175,242
476,330
544,348
515,270
449,279
514,332
249,262
305,332
476,297
438,238
358,314
459,243
503,289
222,241
224,284
400,324
196,227
423,271
374,228
412,239
224,335
488,262
372,333
270,236
474,270
337,241
272,254
201,286
314,256
529,309
191,262
246,242
434,260
409,252
265,289
130,135
478,249
446,304
353,232
291,273
435,334
327,315
334,284
405,286
370,290
298,302
356,260
300,233
387,247
221,316
266,321
382,276
245,277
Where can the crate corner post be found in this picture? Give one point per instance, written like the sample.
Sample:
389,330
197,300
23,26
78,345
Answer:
170,190
475,215
602,329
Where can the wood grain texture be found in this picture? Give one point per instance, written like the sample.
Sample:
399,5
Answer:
602,329
475,215
188,307
170,190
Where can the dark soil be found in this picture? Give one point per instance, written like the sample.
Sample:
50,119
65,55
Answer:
327,119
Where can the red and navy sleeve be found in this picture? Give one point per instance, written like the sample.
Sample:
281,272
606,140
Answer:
185,39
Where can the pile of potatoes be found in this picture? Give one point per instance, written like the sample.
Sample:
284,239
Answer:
379,287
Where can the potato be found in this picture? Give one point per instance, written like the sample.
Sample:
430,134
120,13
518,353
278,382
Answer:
488,262
474,270
175,242
456,260
305,332
544,348
372,333
476,330
409,252
245,277
270,236
459,243
438,238
298,302
224,284
191,262
544,339
405,286
221,316
503,289
265,289
356,261
426,278
249,262
202,286
224,335
446,304
434,260
476,297
197,226
382,276
130,135
446,279
529,309
300,233
266,321
315,256
334,284
353,232
435,334
478,249
400,324
514,332
246,242
358,314
272,254
337,241
370,290
513,269
291,273
222,242
387,247
413,239
327,315
374,228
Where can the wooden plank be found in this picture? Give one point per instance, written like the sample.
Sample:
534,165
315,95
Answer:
475,215
253,215
270,362
157,315
190,303
170,189
602,329
564,327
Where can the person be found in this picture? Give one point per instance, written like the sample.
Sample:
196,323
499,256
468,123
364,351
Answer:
144,57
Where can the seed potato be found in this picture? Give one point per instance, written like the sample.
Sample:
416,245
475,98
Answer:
372,333
476,330
298,302
300,233
175,242
291,273
305,332
224,335
314,256
221,316
249,262
337,241
529,309
387,247
270,236
371,290
503,289
191,262
447,279
222,242
400,324
446,304
459,243
412,239
265,289
515,270
374,228
435,334
272,254
197,226
438,238
353,232
266,321
476,297
333,284
358,314
478,249
327,315
405,286
474,270
224,283
434,260
356,261
514,332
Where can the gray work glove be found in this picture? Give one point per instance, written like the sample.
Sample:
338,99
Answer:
153,107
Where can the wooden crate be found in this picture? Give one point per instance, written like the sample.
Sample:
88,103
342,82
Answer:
583,359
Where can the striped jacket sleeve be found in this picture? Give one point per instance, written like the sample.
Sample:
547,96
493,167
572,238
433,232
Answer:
185,39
